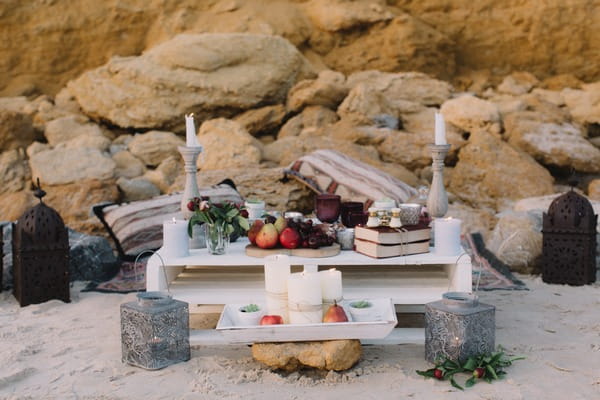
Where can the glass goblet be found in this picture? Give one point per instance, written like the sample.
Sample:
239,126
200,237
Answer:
327,207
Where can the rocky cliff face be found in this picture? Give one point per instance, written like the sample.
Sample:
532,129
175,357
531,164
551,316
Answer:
45,43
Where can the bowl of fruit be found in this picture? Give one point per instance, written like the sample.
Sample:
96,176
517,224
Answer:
291,236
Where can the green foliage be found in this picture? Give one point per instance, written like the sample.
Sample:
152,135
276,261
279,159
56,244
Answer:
360,304
492,368
250,308
226,214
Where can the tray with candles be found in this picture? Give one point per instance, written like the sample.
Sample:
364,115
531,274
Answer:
372,318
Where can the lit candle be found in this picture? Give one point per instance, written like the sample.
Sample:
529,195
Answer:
331,285
190,132
175,239
447,236
277,272
304,298
440,129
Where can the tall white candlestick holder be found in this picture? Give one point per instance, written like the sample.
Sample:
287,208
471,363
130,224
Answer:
190,157
437,202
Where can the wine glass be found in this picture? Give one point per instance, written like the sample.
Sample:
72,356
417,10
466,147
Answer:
327,207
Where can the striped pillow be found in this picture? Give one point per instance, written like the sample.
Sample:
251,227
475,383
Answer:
329,171
137,226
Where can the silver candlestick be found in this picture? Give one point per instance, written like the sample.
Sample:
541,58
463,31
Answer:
437,202
190,156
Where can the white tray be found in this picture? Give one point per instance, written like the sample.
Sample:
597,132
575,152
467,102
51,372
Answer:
309,332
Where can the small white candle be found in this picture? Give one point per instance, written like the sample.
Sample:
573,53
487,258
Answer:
175,239
447,236
331,285
384,204
440,129
311,268
277,272
304,298
190,132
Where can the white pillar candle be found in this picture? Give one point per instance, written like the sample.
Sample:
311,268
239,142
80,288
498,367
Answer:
175,239
447,236
440,129
331,285
190,132
304,298
385,204
277,272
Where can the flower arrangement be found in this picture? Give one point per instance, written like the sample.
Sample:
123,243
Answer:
229,216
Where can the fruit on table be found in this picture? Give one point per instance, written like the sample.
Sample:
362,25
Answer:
335,313
479,372
289,238
438,373
280,224
254,229
267,237
271,320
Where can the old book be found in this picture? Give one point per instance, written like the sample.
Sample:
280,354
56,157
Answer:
387,235
377,250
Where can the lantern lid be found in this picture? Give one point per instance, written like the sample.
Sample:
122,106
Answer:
571,210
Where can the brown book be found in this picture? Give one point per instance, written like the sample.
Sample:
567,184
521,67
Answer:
377,250
387,235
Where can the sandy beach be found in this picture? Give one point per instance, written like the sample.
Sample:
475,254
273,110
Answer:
72,351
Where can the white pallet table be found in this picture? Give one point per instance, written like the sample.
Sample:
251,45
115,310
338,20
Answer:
409,281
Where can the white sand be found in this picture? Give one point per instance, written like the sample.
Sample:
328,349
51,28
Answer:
72,351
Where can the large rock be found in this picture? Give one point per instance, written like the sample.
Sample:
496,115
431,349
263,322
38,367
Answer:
470,113
376,93
336,15
208,74
127,165
492,173
14,171
310,117
336,355
154,146
262,121
584,104
166,173
518,83
70,127
90,258
404,44
227,145
328,90
561,145
594,190
517,240
62,166
16,129
137,188
479,219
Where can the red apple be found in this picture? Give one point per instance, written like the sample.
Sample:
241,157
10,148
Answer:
271,320
438,373
290,238
254,229
267,237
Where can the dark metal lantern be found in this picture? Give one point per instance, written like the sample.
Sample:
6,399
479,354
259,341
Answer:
40,245
569,241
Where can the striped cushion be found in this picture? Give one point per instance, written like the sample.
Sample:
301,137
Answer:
137,226
329,171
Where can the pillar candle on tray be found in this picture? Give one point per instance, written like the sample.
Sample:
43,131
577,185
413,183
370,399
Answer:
277,272
440,129
175,238
446,233
331,288
190,132
304,298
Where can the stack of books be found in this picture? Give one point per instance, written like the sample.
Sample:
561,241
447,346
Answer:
382,241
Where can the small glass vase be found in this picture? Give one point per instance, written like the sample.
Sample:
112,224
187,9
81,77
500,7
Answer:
217,239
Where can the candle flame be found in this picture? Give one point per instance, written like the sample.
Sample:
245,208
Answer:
174,220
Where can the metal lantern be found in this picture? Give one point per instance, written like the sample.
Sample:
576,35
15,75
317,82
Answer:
458,327
569,241
155,331
40,246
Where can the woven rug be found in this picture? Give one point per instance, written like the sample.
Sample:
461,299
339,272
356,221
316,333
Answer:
130,278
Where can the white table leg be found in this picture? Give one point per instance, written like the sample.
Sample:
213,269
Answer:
159,277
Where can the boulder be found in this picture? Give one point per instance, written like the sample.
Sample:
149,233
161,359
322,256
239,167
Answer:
154,146
336,15
208,74
518,83
70,127
262,121
137,188
405,43
227,145
593,190
91,258
478,219
584,104
16,129
166,173
328,90
62,166
98,142
491,173
14,171
550,96
310,117
336,355
37,147
560,82
552,144
517,240
470,113
127,165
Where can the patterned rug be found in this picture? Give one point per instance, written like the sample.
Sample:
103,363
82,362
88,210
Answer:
488,272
